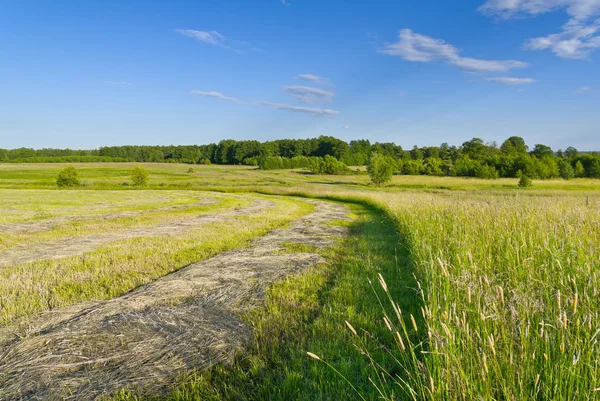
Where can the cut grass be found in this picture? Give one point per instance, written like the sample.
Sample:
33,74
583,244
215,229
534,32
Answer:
112,270
308,313
72,228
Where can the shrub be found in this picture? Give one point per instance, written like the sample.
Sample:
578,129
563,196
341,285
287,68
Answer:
190,170
525,181
68,177
205,161
331,165
139,176
381,168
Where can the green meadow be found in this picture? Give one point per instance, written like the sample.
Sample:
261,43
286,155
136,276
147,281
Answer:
445,288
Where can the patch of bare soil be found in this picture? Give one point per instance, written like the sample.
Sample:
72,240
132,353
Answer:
48,224
80,245
146,338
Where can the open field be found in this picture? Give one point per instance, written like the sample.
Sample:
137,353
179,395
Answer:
494,289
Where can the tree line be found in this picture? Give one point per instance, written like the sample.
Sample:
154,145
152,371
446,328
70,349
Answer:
513,158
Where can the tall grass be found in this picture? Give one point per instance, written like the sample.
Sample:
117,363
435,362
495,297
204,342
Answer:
510,295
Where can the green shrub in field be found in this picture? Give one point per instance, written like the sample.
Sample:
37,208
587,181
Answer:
525,181
381,168
205,161
139,176
68,177
190,170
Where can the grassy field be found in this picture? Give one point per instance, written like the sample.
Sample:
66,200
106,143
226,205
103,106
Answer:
487,291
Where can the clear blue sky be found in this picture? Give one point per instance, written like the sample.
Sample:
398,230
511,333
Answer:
84,74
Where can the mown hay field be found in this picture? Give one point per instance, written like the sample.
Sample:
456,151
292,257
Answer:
487,291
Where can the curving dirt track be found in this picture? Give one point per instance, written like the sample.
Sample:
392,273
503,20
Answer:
80,245
145,338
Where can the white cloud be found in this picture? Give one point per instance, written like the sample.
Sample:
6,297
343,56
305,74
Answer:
579,36
118,83
209,37
576,40
578,9
420,48
216,95
300,109
346,127
582,89
285,2
306,94
511,80
214,38
315,79
317,112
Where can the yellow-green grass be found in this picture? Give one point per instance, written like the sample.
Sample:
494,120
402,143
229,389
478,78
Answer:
119,267
72,228
18,205
176,176
510,297
307,313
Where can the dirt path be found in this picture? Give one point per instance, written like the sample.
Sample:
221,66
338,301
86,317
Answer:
144,339
50,223
80,245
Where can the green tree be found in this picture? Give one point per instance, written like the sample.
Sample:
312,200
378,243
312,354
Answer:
514,145
381,168
139,176
565,169
579,170
68,177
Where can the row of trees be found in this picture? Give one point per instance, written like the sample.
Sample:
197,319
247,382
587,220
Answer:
513,158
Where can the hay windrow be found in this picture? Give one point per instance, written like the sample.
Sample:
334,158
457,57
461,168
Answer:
147,337
80,245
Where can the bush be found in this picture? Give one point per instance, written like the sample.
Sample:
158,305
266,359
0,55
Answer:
205,161
381,168
68,177
139,176
190,170
525,181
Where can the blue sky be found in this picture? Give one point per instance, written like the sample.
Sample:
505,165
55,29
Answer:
87,74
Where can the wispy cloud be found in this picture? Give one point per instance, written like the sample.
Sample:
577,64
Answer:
579,9
306,94
315,79
577,40
209,37
420,48
346,127
118,83
511,80
582,89
216,95
214,38
285,2
579,36
317,112
314,111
